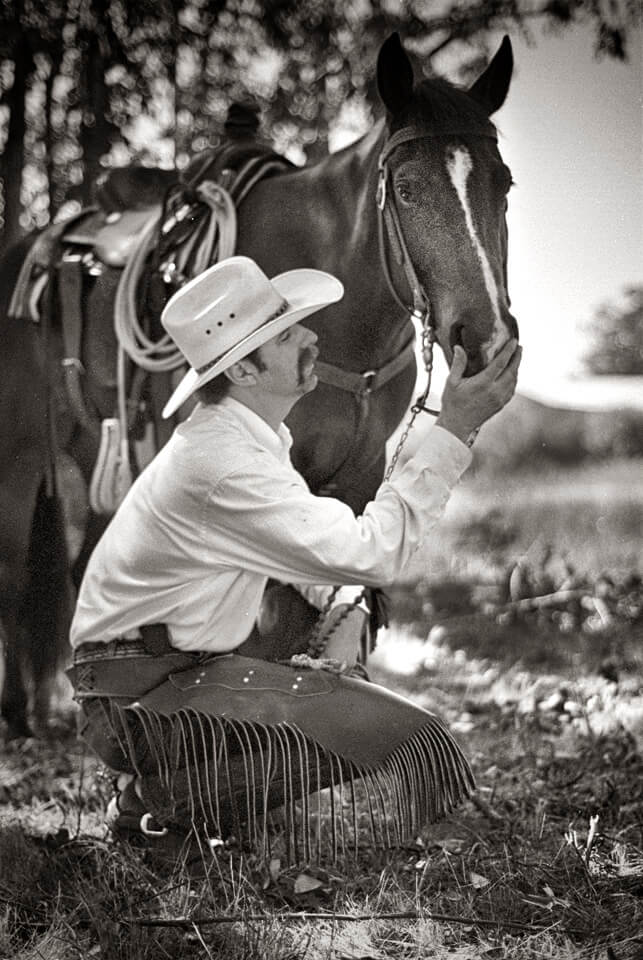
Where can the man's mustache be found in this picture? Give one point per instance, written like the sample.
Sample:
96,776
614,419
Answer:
309,355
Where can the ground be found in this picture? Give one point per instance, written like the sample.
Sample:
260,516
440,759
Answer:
546,698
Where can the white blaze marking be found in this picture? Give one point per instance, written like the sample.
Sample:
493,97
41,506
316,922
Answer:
459,166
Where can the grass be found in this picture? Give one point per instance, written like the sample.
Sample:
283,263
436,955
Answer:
590,516
522,858
551,720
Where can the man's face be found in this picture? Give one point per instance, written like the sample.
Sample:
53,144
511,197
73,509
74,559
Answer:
289,361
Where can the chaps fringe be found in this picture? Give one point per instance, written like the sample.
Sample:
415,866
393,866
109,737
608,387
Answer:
219,776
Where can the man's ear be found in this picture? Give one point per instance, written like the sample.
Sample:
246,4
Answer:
243,373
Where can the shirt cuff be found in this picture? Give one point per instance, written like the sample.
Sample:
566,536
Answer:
443,452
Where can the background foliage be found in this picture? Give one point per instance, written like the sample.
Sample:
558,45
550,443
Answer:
617,336
91,83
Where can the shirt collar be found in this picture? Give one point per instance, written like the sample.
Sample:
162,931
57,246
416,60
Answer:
278,443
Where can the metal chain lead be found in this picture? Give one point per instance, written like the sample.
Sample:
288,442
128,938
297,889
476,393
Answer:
427,342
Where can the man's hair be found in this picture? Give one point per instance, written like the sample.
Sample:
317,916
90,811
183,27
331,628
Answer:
216,389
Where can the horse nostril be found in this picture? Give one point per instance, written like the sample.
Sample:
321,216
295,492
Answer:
463,336
455,336
474,364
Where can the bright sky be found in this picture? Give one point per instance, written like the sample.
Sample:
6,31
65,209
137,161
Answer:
571,132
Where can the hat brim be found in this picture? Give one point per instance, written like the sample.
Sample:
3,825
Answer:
306,291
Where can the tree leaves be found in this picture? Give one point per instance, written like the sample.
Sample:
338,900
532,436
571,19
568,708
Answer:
617,336
180,64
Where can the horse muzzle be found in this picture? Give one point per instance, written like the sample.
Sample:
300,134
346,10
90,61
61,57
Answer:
481,348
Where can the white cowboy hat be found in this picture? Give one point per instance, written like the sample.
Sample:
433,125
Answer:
229,310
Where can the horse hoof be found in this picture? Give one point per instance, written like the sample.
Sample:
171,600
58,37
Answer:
18,731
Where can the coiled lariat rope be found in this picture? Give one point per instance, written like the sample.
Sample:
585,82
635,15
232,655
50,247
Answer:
221,234
163,355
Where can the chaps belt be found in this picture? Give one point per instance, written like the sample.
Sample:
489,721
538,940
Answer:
154,642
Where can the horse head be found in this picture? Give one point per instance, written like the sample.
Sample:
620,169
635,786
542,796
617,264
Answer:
443,193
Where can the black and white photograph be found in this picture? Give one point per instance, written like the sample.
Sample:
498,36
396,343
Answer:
321,480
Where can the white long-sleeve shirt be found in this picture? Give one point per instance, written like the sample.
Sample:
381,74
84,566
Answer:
221,509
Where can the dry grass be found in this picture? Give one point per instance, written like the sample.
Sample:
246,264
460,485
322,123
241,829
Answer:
590,515
519,858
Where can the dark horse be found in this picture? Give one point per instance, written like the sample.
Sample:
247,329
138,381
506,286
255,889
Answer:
413,214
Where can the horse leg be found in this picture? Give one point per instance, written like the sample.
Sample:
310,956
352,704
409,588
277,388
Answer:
13,700
18,495
34,605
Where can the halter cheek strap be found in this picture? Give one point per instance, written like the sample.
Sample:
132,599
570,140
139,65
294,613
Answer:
388,217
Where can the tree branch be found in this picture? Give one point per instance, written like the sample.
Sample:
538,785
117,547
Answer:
211,919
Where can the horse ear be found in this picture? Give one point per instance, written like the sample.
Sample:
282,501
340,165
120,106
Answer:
394,74
491,88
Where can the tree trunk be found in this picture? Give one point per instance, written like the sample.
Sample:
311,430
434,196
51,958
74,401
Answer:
50,139
95,128
12,158
174,39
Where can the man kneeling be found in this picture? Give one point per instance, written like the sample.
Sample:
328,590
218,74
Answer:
176,690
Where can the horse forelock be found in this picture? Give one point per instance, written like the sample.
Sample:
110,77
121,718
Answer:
440,107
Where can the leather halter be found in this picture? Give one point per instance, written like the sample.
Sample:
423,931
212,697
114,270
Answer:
389,217
361,384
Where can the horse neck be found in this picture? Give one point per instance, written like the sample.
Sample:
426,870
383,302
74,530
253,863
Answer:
368,318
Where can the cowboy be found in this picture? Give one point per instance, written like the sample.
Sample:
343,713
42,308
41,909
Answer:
175,584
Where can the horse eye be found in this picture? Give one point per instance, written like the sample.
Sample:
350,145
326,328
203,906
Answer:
404,192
